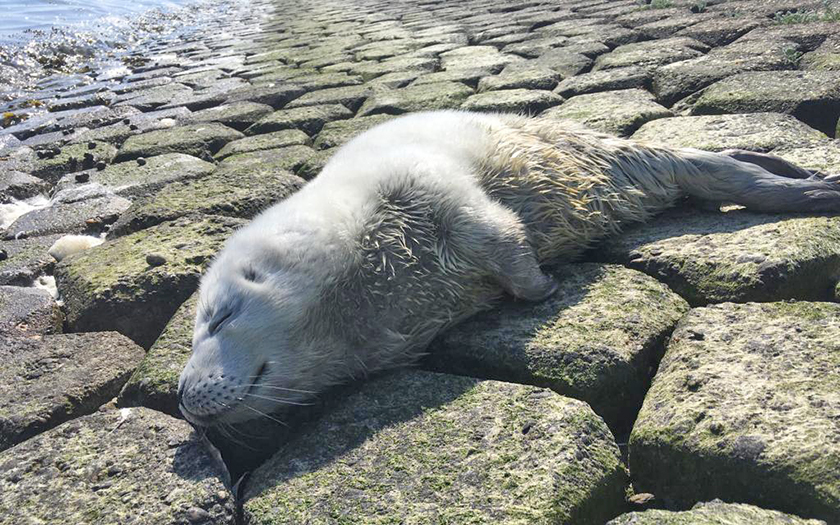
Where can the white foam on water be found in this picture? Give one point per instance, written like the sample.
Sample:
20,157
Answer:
10,212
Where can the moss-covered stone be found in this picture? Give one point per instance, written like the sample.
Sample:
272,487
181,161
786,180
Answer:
472,57
154,97
597,339
450,450
564,62
25,259
713,513
675,81
653,53
526,101
824,58
242,187
314,164
72,158
811,96
338,132
743,408
617,112
75,215
237,115
273,95
823,157
277,139
125,466
605,80
710,257
198,140
372,70
113,287
438,95
310,119
531,77
752,131
470,77
136,178
48,380
154,383
19,185
350,97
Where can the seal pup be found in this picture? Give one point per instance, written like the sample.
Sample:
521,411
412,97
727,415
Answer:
421,222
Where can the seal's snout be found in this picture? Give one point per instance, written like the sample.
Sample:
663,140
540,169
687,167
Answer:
203,398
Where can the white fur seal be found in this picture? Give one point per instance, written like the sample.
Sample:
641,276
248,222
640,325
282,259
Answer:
421,222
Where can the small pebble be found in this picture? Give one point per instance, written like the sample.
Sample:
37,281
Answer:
100,165
133,127
83,177
155,259
91,145
197,515
3,255
141,161
126,121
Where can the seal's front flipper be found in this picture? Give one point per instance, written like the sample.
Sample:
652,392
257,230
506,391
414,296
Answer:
511,259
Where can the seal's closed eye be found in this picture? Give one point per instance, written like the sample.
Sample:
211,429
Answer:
217,322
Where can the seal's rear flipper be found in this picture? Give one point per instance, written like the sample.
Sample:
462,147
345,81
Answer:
773,164
717,177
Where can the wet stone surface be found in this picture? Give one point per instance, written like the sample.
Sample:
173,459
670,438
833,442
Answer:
28,312
744,406
129,466
51,379
198,140
446,447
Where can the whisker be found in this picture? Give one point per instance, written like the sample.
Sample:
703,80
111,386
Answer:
278,388
264,414
278,400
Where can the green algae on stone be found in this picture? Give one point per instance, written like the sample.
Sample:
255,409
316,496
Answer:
714,512
675,81
237,115
27,312
310,119
531,77
48,380
421,97
811,96
154,97
270,94
337,133
136,178
617,112
824,58
72,158
273,140
154,383
751,131
375,69
470,77
26,258
744,408
113,287
117,466
605,80
566,63
652,53
85,215
198,140
19,185
450,450
474,57
350,97
242,187
524,101
314,164
710,257
597,339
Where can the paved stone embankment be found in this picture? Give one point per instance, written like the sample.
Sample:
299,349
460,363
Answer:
686,363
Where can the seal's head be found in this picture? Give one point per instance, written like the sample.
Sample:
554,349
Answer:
250,315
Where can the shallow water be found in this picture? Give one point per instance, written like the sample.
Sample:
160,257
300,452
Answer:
21,16
39,38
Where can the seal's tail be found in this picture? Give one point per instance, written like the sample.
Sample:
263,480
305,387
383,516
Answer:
722,177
